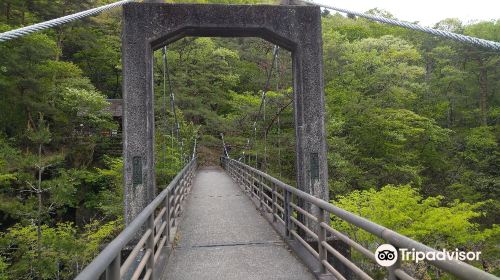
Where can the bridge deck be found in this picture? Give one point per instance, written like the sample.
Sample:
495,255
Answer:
222,236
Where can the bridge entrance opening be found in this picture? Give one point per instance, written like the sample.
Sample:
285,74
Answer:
238,90
149,27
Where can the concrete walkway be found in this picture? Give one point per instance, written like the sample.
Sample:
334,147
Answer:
222,236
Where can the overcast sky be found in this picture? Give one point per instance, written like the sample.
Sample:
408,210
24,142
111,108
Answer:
427,12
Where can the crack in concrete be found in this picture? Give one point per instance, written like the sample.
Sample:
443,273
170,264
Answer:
233,244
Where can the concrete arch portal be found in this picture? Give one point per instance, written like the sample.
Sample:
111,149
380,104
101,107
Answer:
149,26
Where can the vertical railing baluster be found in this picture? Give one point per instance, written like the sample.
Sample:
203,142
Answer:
172,204
252,179
243,177
392,269
275,201
178,197
179,193
240,178
186,184
261,191
183,191
166,217
150,245
113,271
321,238
234,174
288,212
250,182
191,178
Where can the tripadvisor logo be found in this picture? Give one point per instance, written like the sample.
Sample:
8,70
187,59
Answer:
387,255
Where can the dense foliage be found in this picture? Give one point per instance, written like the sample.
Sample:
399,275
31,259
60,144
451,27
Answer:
412,127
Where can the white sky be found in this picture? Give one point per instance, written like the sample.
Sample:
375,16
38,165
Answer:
427,12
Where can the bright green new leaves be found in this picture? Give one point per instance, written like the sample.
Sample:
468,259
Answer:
428,220
404,210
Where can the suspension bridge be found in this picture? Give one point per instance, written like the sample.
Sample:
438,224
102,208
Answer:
234,221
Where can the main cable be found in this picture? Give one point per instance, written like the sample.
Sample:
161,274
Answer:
16,33
446,34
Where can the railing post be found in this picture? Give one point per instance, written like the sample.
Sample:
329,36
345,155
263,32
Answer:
181,197
252,187
392,269
171,203
166,217
249,182
261,192
275,201
239,175
176,199
186,184
150,245
191,178
288,212
243,177
181,193
236,174
321,238
113,271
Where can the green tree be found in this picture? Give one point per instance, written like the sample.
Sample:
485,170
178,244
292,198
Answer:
428,220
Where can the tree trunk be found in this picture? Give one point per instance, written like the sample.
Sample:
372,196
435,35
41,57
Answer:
7,12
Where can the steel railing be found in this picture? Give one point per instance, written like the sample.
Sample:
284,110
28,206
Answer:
281,199
152,228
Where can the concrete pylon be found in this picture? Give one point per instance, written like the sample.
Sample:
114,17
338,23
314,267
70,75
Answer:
150,26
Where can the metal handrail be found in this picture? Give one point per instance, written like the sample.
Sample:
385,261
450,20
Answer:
249,177
109,262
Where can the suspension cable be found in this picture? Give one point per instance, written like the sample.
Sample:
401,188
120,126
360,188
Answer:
172,96
194,146
446,34
166,72
268,80
164,103
246,148
12,34
274,64
278,78
262,102
226,154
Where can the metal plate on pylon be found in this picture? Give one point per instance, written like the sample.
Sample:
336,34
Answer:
136,171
